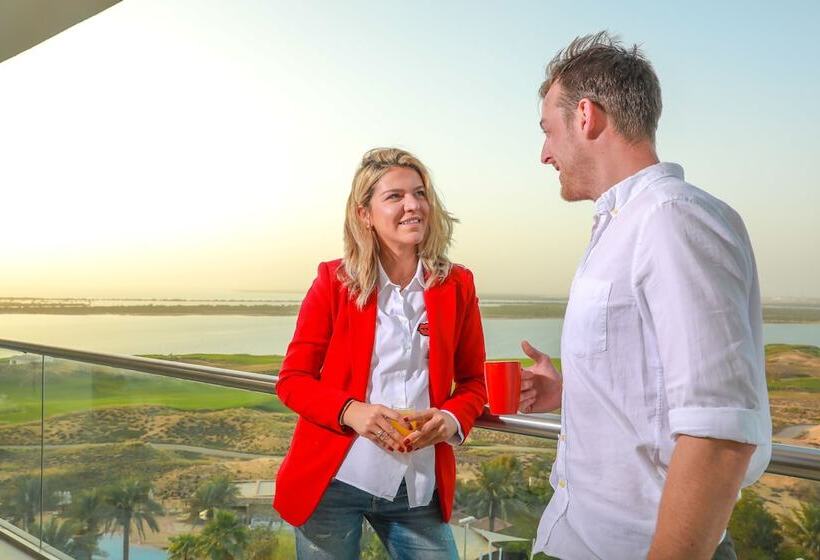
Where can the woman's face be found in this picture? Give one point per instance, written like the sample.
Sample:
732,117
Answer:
398,210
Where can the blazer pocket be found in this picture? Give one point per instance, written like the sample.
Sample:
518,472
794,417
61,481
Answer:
585,321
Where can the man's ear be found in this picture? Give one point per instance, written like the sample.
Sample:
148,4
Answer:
591,118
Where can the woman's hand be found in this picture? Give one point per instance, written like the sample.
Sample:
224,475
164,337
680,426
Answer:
373,422
436,426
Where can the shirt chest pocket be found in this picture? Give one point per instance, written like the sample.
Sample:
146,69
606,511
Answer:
585,321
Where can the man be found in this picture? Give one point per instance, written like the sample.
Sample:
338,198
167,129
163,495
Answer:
663,396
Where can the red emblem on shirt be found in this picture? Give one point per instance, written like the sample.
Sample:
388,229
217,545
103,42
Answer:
424,329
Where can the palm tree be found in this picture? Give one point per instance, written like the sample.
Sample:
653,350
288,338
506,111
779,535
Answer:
262,544
131,505
89,510
372,547
58,534
754,530
223,538
217,493
803,528
23,501
497,480
183,547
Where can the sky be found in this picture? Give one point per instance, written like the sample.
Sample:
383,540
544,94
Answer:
202,147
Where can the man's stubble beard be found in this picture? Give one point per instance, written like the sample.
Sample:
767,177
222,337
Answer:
576,179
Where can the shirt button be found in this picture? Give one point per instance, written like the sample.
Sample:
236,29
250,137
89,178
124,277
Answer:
562,437
562,483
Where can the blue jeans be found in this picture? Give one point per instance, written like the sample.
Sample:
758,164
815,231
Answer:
725,550
334,530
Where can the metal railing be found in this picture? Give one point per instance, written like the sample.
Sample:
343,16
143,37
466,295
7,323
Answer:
789,460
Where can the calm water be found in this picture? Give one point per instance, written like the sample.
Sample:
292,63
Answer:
124,334
112,546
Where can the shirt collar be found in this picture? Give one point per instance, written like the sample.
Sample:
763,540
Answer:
417,280
620,194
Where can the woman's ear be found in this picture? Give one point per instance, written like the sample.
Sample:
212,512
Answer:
364,216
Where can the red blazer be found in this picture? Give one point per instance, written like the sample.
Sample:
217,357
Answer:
328,362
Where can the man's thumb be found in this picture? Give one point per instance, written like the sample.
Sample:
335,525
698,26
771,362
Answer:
532,352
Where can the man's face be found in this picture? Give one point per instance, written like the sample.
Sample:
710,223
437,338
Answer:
563,147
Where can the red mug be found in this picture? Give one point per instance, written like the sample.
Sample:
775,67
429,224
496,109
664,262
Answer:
503,386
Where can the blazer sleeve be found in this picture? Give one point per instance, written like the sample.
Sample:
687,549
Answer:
467,401
300,385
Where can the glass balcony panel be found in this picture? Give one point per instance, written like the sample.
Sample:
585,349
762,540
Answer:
181,460
502,488
198,460
777,517
21,395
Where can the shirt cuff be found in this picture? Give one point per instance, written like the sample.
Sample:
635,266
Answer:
735,424
458,437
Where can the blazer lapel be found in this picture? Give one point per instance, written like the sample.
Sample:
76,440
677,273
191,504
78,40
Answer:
441,313
362,326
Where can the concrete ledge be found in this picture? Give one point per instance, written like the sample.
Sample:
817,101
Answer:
15,544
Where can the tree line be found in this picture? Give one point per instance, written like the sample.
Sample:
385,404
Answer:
504,488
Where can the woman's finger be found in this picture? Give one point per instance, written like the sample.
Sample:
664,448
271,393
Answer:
418,417
383,439
426,434
388,412
392,437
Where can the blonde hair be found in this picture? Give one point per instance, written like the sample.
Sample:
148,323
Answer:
359,270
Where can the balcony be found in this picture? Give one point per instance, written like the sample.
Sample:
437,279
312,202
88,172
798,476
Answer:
100,452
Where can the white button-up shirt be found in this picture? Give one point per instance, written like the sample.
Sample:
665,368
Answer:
662,336
399,378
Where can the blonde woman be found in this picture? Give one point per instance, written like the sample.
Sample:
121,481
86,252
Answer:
388,342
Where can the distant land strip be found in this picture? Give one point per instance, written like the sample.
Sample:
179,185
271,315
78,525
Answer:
533,310
157,310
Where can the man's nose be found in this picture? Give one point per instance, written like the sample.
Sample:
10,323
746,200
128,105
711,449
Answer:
546,156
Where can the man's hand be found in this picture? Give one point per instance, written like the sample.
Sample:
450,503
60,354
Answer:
436,427
541,384
373,422
700,492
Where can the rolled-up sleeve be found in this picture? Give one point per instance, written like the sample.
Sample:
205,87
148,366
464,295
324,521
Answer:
695,277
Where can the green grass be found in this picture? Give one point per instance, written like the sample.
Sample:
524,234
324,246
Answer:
526,362
775,349
805,384
227,359
72,387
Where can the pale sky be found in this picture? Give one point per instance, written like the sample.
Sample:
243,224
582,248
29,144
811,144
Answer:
198,147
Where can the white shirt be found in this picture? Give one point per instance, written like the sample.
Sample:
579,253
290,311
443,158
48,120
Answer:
662,336
399,378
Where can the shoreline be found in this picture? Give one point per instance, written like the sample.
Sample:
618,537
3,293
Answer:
553,310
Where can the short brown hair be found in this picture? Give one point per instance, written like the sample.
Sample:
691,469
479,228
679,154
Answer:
621,80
